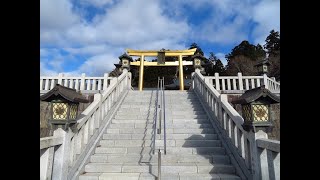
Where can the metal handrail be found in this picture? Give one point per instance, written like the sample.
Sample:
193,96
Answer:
164,119
162,115
155,120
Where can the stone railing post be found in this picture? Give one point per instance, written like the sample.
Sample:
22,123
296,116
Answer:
61,157
83,81
254,155
60,75
105,81
98,97
222,97
216,75
240,81
265,81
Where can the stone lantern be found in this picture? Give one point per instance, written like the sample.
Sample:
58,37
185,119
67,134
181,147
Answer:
64,105
256,109
262,66
198,62
125,60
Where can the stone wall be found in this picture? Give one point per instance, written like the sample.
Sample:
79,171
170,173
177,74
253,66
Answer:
275,115
45,113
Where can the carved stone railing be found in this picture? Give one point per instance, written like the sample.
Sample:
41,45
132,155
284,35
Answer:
83,83
269,157
237,84
79,141
240,145
50,151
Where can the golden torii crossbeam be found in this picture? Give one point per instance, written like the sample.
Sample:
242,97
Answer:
178,53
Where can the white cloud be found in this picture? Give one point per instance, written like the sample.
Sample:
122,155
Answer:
222,57
45,71
98,65
56,14
143,24
267,15
98,3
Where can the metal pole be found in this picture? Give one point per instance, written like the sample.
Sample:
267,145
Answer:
181,73
141,73
159,165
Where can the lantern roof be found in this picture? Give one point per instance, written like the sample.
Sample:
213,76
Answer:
263,62
256,93
198,56
67,93
125,55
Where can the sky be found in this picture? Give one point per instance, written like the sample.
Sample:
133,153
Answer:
88,36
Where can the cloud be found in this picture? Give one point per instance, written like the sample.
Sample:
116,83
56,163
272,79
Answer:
143,24
98,65
222,57
267,15
97,3
45,71
56,15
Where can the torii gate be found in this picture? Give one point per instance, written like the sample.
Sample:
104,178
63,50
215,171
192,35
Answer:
142,62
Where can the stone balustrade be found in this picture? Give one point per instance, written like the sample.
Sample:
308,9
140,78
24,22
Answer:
238,84
238,142
83,83
79,141
269,157
48,148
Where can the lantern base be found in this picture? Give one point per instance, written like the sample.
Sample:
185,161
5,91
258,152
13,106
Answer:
266,127
64,124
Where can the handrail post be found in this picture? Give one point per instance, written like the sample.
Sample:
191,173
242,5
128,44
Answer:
105,81
61,156
217,82
240,81
60,75
83,81
265,81
159,165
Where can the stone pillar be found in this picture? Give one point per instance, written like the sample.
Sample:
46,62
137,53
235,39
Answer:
254,155
240,81
216,75
265,81
181,79
61,157
105,81
141,73
60,75
83,81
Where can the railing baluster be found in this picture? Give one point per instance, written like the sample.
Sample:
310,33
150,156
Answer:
252,83
94,87
234,84
247,84
46,87
229,85
223,84
41,84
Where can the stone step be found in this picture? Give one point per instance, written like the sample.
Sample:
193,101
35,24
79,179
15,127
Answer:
168,136
150,125
168,112
170,150
165,167
190,176
168,121
159,143
153,158
168,130
164,176
110,176
152,115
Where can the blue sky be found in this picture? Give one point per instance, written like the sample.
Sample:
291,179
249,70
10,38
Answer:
87,36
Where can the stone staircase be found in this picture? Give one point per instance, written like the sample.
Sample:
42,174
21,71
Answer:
193,149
